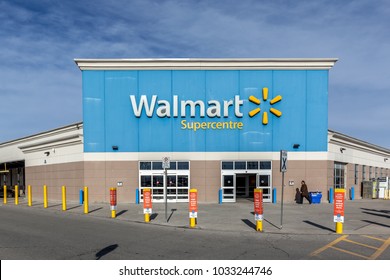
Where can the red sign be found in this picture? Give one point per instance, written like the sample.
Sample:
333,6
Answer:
258,201
113,196
147,198
193,205
338,208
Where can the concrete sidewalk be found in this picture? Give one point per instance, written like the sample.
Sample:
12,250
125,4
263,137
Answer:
361,216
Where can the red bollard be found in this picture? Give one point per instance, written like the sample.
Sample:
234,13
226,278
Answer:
113,202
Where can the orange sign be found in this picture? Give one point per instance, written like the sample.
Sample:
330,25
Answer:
258,201
113,196
338,208
193,205
147,199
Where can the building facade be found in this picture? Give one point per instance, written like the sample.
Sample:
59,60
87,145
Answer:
221,123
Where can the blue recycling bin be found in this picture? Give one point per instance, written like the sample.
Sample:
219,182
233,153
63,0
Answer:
315,197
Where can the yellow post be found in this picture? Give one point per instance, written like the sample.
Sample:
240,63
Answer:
16,194
63,198
147,217
192,222
29,195
259,225
86,200
5,194
45,196
339,227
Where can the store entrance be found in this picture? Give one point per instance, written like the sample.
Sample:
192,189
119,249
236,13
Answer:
245,185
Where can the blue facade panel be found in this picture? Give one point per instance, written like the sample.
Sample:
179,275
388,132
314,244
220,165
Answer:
204,110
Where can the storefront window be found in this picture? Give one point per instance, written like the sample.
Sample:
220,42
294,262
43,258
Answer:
265,165
339,176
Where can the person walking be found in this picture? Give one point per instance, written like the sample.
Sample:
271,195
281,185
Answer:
298,196
305,192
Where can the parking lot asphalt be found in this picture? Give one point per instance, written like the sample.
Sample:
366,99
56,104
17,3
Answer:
361,216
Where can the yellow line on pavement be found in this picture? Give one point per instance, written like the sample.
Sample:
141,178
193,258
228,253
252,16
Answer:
380,250
374,238
341,238
349,252
361,244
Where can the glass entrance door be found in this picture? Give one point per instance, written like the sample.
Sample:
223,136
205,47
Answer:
245,185
264,182
177,187
229,188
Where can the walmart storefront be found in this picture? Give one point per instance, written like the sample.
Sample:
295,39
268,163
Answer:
222,123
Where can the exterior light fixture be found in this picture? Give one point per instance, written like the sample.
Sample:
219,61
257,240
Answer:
342,150
296,146
115,148
385,159
47,153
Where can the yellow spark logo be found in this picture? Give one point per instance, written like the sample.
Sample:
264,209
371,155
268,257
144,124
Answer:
257,101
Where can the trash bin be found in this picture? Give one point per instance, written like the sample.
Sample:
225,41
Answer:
315,197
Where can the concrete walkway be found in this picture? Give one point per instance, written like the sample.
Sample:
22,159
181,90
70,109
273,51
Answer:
361,216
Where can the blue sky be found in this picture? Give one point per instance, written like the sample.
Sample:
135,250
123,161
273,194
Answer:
40,85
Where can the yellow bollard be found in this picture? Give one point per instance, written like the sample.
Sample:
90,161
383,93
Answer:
45,202
5,194
29,195
63,198
259,225
339,227
147,217
16,194
86,200
192,222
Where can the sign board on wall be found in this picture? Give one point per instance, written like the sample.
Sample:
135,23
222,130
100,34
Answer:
160,110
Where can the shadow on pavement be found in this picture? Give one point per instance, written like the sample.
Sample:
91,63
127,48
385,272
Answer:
90,211
74,207
249,223
173,210
319,226
105,251
375,223
121,212
54,205
376,214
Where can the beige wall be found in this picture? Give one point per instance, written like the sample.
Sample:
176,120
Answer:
100,176
313,172
54,176
205,176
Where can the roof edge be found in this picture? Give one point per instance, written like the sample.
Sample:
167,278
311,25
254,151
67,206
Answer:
204,63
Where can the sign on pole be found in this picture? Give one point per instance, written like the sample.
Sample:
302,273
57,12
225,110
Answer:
258,204
193,205
166,162
147,201
338,207
283,161
283,169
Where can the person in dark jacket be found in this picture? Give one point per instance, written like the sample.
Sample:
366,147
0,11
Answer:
305,192
298,196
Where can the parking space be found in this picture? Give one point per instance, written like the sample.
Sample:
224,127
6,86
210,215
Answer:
355,247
